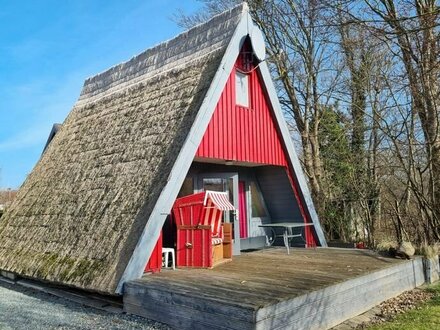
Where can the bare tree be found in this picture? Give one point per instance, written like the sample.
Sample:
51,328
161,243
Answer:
410,28
359,55
365,72
210,8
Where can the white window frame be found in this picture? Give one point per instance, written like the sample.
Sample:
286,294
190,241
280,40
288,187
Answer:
241,89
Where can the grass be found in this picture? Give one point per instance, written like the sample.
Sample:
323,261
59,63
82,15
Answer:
426,317
429,251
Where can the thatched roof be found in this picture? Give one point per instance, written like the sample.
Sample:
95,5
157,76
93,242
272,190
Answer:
79,215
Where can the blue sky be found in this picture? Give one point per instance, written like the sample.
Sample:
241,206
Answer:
48,48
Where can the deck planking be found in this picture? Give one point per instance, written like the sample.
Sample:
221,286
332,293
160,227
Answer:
261,289
273,271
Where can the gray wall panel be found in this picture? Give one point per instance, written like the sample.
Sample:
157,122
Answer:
278,194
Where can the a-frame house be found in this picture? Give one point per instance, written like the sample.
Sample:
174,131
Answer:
198,112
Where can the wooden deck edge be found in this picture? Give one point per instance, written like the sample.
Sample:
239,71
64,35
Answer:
331,311
185,317
313,296
325,308
184,311
184,297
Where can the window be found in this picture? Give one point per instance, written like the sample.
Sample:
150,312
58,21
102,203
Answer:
220,184
258,210
241,89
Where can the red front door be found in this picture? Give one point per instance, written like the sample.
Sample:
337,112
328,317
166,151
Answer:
242,209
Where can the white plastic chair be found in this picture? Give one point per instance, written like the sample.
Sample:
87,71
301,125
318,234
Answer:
167,252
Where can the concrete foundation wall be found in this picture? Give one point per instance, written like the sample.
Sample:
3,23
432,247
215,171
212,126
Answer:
432,270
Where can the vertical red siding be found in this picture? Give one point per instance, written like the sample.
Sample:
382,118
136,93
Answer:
243,134
248,134
155,263
311,240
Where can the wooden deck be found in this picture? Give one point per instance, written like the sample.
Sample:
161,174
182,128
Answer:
310,288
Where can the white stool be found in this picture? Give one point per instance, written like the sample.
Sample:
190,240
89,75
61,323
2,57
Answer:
167,252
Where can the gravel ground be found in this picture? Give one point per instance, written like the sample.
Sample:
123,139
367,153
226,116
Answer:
23,308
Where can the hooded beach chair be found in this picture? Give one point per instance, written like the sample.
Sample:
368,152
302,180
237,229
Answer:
200,236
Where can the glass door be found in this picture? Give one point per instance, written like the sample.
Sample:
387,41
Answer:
225,182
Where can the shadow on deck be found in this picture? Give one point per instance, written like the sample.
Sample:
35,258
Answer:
268,289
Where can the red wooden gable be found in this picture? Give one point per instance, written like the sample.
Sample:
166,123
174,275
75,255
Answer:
244,134
248,134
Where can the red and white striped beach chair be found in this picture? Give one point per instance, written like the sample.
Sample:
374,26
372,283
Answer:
199,228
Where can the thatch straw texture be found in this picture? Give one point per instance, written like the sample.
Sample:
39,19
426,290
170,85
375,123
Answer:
77,218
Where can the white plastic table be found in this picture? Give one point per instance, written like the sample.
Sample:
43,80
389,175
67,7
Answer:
287,233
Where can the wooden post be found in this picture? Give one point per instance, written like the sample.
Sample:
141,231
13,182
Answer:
227,240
